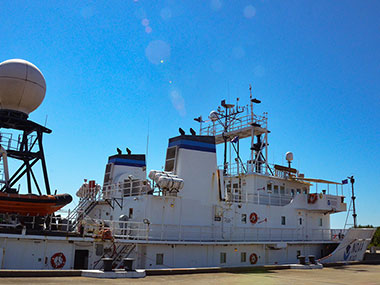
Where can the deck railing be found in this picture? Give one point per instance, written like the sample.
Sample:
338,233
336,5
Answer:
244,121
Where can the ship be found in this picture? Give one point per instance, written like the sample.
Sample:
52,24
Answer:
193,213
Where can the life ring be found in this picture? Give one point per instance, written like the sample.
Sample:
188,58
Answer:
58,260
253,258
312,198
253,218
107,234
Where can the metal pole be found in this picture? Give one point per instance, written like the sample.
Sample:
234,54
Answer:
352,180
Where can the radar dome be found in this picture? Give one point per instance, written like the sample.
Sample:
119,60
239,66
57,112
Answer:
22,86
289,156
213,116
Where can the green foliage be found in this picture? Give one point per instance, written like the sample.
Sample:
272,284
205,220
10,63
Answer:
376,237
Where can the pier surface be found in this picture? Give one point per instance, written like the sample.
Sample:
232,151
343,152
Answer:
348,274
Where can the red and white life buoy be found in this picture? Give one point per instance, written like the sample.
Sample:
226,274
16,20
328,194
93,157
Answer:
58,260
253,258
253,218
312,198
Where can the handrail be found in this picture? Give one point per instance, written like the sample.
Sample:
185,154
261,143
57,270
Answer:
213,129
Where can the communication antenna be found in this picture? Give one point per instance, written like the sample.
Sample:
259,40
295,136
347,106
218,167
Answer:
147,144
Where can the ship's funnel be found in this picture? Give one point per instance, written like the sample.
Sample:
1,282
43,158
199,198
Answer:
22,86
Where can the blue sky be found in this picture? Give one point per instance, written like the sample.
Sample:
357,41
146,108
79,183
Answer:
114,68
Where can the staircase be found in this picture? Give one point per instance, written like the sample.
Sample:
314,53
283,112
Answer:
122,251
84,207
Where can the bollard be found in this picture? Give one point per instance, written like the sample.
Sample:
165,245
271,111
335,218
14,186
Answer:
302,259
107,264
128,263
312,259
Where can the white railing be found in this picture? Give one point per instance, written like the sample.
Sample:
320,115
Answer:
10,143
245,121
237,234
249,167
97,228
125,189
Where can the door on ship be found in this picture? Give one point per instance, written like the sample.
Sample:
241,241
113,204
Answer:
302,226
81,259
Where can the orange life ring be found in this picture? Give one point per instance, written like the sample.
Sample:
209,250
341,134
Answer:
312,198
253,258
253,218
58,260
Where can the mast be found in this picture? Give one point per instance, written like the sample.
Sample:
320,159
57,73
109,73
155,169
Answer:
352,180
229,125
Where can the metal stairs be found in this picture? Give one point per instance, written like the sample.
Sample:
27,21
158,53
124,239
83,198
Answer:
122,251
84,207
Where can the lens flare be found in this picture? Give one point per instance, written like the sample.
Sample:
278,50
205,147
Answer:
157,51
249,12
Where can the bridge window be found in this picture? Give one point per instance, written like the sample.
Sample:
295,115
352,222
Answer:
283,220
269,187
275,187
282,190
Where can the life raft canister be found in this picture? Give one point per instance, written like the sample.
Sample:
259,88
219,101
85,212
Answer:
253,258
58,260
312,198
253,218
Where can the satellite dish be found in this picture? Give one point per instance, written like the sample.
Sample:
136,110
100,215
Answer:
22,86
213,116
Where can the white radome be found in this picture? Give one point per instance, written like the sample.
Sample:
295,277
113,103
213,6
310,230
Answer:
213,116
289,156
22,86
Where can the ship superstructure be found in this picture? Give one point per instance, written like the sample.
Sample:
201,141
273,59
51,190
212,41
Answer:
194,213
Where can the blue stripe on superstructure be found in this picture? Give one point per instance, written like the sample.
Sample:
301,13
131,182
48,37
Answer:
128,162
194,145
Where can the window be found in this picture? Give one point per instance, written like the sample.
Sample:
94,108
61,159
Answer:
275,188
269,187
298,191
243,257
244,218
130,213
159,259
300,221
298,253
283,220
282,190
304,190
223,257
171,154
320,222
292,192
